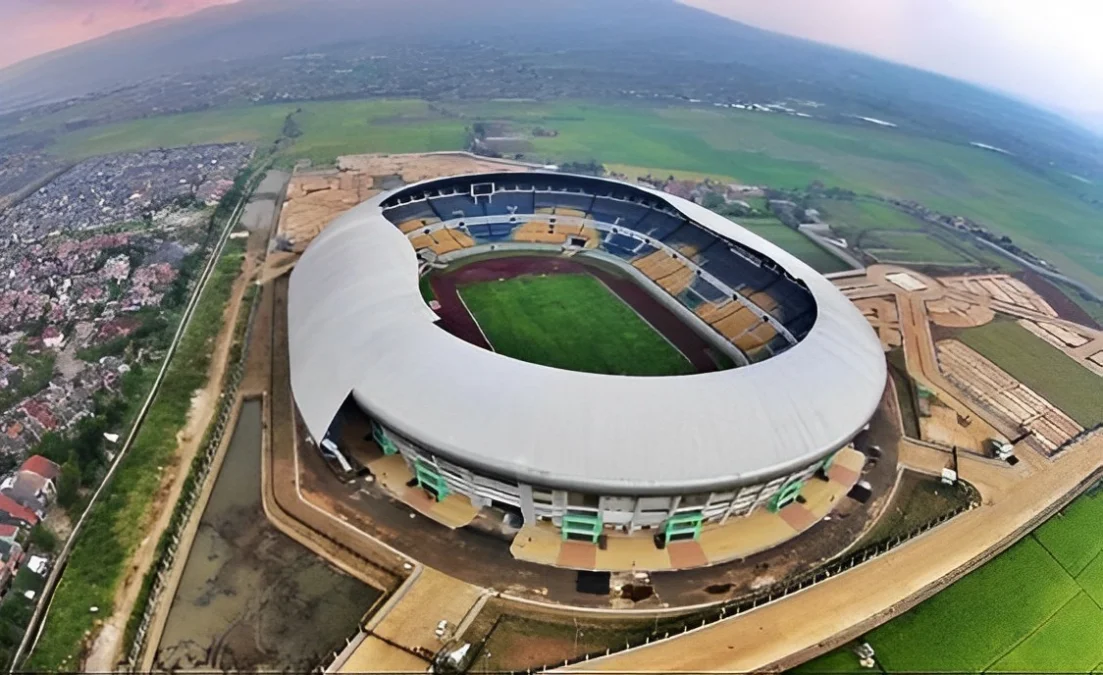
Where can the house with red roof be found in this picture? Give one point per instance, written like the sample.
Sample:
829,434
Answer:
39,465
12,512
34,485
8,532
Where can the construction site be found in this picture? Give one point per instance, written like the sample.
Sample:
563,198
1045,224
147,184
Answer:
451,587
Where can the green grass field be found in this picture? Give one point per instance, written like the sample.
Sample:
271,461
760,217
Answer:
850,218
1041,214
911,247
1025,611
782,151
1074,389
794,242
329,129
570,321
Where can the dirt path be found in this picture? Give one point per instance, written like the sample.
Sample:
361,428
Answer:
106,650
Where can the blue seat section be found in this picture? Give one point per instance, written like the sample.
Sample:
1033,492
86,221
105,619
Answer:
708,291
521,203
690,236
646,249
407,212
622,241
453,206
479,232
500,231
734,270
777,345
570,200
801,324
616,211
792,300
658,224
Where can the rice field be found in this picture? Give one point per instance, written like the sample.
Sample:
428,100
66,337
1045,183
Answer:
1035,608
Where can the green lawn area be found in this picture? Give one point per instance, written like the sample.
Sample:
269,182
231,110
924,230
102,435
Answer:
1044,368
570,321
782,151
1043,215
1070,642
911,247
1022,612
850,218
1063,534
329,129
973,623
794,242
1091,579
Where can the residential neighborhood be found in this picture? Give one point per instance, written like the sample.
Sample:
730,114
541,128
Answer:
96,261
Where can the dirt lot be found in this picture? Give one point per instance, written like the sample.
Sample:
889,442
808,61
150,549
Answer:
1064,306
314,198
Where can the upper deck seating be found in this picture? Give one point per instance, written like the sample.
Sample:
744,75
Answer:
406,212
708,291
690,240
790,299
621,241
618,212
569,200
734,270
658,224
457,206
801,324
505,203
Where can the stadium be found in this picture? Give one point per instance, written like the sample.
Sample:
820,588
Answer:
586,353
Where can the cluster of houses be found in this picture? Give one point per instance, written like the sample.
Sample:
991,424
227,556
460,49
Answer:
24,498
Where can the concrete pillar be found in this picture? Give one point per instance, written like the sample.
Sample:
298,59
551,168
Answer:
528,510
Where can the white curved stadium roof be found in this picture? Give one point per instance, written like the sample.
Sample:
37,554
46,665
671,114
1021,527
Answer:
357,323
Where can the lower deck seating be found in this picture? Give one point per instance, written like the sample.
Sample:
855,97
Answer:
756,338
737,323
658,265
411,225
442,241
541,232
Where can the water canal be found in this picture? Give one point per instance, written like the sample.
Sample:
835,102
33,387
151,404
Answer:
250,598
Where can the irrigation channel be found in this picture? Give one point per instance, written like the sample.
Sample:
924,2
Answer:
250,598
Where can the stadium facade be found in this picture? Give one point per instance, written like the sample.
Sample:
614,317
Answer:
584,451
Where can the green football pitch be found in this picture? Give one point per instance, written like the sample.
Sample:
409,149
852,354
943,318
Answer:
570,321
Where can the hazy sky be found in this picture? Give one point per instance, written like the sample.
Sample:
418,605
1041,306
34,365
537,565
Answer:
1050,52
31,27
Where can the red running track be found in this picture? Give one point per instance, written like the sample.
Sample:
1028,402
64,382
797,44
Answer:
455,318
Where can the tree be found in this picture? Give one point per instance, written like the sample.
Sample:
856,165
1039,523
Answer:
68,483
42,539
712,201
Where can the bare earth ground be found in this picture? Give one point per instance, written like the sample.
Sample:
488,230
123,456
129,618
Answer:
106,650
